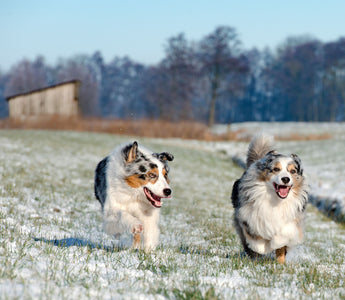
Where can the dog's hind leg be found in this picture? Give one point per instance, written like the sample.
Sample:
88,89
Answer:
248,251
280,255
252,254
243,234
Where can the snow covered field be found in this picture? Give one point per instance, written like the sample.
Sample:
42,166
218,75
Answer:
52,245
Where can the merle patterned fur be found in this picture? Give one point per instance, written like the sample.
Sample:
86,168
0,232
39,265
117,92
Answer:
101,181
139,166
164,157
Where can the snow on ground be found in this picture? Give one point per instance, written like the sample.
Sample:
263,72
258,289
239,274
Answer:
286,129
52,244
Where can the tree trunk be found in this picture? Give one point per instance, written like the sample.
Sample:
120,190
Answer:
212,110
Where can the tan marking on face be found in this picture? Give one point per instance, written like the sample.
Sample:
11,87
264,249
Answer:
297,179
135,181
265,175
165,174
152,175
291,168
277,167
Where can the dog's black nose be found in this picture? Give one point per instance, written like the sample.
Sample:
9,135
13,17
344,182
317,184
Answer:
167,192
285,180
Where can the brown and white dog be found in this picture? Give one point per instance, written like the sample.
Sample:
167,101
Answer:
130,184
269,201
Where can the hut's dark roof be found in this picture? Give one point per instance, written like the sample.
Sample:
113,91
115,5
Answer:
42,89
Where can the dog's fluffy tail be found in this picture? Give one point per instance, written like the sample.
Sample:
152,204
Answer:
259,146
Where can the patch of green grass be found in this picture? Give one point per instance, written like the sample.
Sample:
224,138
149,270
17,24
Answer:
194,293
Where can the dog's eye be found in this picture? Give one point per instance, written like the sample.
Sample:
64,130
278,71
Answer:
152,175
293,171
276,169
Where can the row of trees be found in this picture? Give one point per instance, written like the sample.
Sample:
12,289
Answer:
211,80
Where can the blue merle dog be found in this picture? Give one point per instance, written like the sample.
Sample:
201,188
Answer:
130,184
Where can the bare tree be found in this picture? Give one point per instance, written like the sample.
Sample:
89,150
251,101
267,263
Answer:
3,103
26,76
333,96
180,68
155,87
295,72
121,94
220,57
79,68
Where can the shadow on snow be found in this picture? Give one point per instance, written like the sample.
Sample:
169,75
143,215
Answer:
70,242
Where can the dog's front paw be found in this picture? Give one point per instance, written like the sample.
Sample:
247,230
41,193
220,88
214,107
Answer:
260,246
278,241
137,228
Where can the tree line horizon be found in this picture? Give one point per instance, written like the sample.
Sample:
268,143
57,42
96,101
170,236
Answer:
213,80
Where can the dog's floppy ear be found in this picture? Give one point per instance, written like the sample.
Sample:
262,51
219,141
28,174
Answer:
164,156
298,163
264,163
272,152
131,152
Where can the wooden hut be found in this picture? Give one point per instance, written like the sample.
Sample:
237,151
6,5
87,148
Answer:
57,100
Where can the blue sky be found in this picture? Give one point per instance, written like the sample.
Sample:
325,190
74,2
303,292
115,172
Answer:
140,29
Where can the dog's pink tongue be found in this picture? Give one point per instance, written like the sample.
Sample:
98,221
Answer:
283,190
158,203
157,200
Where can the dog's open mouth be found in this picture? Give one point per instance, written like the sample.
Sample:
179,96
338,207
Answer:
153,198
282,190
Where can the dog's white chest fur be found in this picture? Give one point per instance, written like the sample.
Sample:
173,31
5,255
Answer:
273,221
